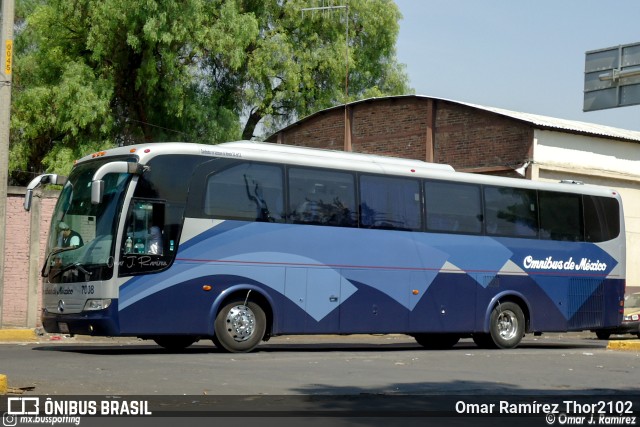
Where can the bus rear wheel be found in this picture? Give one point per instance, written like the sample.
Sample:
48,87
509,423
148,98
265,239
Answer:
506,327
239,327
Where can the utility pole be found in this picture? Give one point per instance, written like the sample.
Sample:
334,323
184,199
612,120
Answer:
6,62
347,121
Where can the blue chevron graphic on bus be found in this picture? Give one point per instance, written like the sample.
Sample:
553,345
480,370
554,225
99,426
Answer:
376,259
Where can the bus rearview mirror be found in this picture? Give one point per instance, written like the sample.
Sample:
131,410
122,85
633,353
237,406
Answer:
97,191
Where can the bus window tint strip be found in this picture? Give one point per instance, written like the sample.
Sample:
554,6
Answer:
253,191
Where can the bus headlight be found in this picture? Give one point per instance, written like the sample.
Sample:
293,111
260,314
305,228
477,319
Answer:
97,304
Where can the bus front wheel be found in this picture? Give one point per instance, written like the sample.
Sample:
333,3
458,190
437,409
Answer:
239,327
506,327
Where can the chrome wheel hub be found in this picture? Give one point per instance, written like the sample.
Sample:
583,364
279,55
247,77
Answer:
507,325
241,323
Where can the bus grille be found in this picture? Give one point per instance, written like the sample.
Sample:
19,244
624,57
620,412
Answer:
586,300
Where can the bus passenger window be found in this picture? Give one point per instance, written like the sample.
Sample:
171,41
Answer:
247,191
453,207
510,212
560,216
601,218
321,197
390,203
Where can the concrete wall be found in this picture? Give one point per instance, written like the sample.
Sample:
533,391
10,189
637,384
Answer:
22,282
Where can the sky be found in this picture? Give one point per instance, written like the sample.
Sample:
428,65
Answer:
520,55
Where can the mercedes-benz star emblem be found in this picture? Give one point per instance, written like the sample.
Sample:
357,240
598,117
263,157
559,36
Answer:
61,306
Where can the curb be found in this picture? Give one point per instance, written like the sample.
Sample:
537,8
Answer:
3,385
624,345
18,335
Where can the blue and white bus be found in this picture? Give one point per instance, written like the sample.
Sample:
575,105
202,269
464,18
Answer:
243,241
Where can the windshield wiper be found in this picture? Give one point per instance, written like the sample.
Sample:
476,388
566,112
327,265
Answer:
75,265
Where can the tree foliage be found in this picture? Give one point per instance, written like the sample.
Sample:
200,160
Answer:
90,74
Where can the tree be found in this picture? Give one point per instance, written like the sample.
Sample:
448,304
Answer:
91,74
298,63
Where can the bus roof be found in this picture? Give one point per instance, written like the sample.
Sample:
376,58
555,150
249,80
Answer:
317,157
317,153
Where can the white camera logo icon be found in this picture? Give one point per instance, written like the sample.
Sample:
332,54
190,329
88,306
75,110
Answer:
9,420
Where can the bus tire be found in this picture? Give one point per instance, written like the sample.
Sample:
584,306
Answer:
239,328
484,341
604,335
437,341
175,342
507,325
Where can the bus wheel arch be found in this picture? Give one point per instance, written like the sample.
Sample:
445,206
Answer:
243,319
508,319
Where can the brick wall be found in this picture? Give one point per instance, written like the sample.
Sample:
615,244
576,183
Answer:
464,137
16,274
468,138
326,131
392,127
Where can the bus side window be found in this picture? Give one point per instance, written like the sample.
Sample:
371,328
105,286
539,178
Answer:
321,197
511,212
391,203
247,191
453,207
560,216
601,218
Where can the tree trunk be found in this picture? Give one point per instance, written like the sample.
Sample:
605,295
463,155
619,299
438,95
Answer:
250,126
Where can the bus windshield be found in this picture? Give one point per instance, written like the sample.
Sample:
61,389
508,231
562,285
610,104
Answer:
82,235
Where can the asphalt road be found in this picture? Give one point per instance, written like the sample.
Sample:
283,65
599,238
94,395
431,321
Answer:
325,365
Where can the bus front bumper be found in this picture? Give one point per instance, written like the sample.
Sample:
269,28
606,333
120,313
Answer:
97,323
